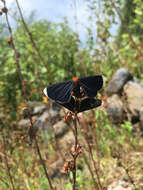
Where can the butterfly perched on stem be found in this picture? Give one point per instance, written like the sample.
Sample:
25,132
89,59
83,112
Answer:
77,95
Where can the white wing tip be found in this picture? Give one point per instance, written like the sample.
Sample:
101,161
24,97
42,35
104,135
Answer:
45,91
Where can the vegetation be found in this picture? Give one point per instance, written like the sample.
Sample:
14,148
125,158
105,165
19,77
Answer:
40,53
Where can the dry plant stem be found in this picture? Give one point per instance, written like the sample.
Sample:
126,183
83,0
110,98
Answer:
75,150
40,156
91,155
26,98
96,141
93,161
130,178
1,179
127,172
29,33
90,170
95,167
31,37
6,163
16,55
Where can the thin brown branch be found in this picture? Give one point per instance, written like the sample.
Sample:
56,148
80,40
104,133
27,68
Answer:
31,38
127,171
75,150
126,28
7,165
90,170
2,180
6,158
15,53
84,131
39,153
94,163
32,129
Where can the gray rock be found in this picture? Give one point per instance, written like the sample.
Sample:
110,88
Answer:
141,118
134,99
37,124
49,118
33,108
37,110
60,128
67,141
55,169
118,81
44,116
120,185
114,108
24,123
56,107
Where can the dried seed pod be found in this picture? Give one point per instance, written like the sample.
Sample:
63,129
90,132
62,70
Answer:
4,10
68,166
68,117
9,41
77,151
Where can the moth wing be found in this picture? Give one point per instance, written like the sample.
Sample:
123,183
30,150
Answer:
89,103
61,92
84,105
91,84
69,105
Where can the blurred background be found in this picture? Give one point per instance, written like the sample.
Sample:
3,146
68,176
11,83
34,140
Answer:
52,41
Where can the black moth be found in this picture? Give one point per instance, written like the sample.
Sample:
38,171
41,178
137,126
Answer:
77,95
